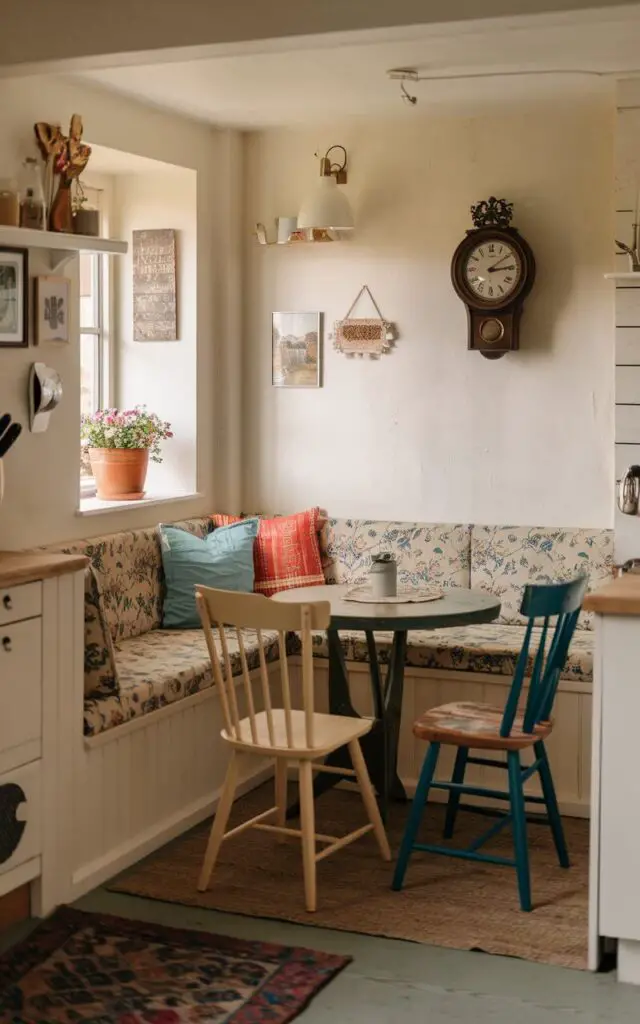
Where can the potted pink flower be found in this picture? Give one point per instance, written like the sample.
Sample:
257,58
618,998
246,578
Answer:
120,444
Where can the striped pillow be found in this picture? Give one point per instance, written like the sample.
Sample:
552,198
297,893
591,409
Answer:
286,552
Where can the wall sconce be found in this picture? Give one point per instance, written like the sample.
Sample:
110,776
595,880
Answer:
327,207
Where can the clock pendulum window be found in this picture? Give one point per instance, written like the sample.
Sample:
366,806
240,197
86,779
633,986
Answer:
493,270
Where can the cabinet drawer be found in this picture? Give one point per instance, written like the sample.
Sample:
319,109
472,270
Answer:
23,602
20,683
20,816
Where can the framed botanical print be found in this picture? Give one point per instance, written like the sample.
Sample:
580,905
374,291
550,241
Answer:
295,350
14,315
51,309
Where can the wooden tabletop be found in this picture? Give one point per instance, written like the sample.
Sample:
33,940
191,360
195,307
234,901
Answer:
621,596
24,567
457,607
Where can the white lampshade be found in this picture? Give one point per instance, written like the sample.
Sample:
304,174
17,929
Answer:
327,207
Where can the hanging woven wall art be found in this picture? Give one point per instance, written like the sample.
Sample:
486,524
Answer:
362,336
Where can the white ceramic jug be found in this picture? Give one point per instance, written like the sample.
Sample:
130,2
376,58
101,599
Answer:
383,576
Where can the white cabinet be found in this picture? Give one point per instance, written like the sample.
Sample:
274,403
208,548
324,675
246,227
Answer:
20,687
41,641
20,602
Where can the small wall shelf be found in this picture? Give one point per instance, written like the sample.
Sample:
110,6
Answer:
627,275
60,248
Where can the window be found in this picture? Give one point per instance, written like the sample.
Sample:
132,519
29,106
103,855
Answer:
93,346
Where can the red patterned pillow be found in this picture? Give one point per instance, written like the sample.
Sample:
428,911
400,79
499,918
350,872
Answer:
286,553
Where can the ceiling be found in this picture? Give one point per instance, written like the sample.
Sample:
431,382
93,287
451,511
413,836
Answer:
318,82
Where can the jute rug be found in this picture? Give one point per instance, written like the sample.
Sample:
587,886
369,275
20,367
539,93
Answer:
445,902
97,969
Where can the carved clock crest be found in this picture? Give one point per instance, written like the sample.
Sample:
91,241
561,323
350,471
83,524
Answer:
493,270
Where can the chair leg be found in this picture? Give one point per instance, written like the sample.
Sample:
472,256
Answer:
369,798
415,814
549,793
281,795
308,827
519,819
459,770
219,822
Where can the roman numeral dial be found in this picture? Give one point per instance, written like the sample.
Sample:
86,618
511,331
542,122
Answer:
492,271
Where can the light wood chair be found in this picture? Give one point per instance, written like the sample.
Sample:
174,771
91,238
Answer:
287,735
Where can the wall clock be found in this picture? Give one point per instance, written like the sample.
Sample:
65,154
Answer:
493,270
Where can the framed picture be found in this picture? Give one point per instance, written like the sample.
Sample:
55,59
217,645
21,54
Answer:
52,309
14,315
296,350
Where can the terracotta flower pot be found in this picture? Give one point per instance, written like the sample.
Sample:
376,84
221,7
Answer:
119,473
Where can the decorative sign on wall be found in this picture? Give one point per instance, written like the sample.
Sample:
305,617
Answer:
154,285
364,336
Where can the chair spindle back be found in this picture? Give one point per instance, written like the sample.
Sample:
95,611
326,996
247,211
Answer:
226,617
545,601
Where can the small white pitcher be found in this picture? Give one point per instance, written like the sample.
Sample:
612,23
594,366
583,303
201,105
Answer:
383,576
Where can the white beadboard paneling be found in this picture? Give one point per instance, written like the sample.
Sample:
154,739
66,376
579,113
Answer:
628,307
628,346
628,384
626,455
628,423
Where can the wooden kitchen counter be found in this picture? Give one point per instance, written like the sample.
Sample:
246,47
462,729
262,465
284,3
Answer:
23,567
621,596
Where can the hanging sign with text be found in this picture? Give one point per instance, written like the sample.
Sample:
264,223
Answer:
154,285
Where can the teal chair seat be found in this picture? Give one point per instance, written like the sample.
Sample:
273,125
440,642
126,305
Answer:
523,724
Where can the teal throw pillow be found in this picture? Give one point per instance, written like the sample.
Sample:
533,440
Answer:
224,559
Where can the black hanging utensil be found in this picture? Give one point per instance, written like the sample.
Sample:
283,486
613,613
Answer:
8,434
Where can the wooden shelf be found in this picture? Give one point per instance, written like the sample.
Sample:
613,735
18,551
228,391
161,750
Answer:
59,247
628,275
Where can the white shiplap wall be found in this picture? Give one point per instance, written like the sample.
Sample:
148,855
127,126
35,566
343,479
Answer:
627,348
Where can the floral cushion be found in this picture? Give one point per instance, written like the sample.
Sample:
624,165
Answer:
128,567
165,665
100,677
425,552
505,558
102,713
490,648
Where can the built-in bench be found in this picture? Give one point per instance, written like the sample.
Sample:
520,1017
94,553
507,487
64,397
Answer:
133,667
150,762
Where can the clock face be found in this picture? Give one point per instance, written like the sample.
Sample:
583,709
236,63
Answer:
493,271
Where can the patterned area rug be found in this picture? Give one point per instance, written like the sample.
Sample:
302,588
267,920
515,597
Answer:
445,902
80,968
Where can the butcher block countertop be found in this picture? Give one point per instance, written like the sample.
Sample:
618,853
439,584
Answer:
22,567
619,597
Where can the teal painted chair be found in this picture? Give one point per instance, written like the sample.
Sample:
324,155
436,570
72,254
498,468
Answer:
522,725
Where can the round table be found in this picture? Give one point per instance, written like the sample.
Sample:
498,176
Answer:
457,607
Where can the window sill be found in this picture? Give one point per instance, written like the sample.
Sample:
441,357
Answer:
95,506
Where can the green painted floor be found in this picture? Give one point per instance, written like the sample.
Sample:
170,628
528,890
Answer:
392,982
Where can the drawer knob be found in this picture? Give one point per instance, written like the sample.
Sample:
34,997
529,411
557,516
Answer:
6,643
7,602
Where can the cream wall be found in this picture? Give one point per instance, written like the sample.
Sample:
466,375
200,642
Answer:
160,374
42,469
432,431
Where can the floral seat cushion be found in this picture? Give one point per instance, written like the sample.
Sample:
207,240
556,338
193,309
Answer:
491,648
425,552
128,568
505,558
166,665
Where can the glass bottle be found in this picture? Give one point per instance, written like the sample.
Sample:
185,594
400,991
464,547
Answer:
32,208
